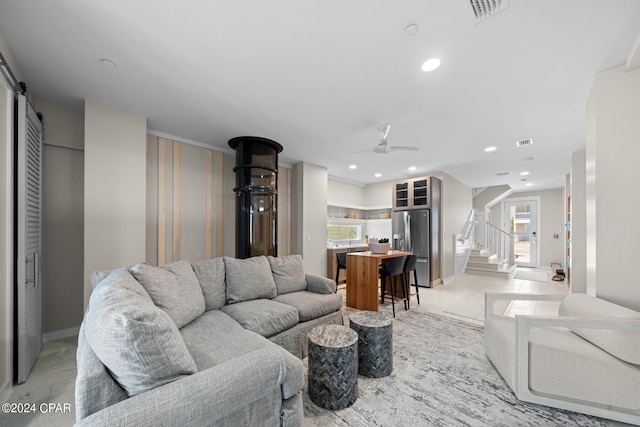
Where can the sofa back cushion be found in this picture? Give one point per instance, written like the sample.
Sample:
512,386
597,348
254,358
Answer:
139,343
174,288
624,345
288,273
248,279
210,274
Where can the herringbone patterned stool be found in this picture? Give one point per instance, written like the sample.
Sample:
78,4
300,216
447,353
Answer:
333,366
375,347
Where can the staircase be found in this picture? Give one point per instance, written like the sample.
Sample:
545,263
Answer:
485,262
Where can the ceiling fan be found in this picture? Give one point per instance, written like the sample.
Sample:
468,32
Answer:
384,148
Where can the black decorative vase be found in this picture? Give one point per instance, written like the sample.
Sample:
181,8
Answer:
256,195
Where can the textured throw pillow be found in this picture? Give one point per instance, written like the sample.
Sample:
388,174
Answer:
134,339
288,273
210,274
174,288
248,279
624,345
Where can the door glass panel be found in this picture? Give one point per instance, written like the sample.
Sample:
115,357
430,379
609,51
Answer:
521,219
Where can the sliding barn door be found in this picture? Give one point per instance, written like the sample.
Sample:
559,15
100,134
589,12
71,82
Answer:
28,233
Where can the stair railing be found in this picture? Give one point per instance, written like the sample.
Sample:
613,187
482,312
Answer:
464,244
501,242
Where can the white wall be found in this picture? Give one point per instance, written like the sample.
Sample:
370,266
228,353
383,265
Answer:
378,195
457,202
309,216
115,189
578,243
340,193
612,174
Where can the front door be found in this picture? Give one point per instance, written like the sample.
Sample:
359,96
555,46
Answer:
521,216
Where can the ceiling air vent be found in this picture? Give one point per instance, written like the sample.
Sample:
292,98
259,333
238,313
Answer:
503,173
524,142
482,9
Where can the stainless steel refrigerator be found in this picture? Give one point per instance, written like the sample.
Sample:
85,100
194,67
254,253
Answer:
411,233
416,224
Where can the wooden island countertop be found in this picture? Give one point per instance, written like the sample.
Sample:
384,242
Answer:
362,277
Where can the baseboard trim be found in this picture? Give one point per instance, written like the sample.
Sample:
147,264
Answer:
5,391
63,333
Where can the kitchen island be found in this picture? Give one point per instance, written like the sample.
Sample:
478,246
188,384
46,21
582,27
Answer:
363,277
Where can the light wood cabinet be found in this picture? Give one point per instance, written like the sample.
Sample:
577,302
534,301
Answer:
332,262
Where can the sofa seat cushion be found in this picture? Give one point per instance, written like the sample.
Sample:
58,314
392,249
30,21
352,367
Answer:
288,273
624,345
262,316
564,364
215,337
174,288
248,279
138,342
210,274
311,305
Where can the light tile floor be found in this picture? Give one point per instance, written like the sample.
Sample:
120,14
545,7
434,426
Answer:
52,380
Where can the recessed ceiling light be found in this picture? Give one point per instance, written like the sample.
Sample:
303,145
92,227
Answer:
411,30
430,64
412,168
490,149
524,173
378,175
353,166
108,63
529,184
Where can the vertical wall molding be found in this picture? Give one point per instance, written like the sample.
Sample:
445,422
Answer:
175,223
146,205
209,206
162,201
220,205
289,212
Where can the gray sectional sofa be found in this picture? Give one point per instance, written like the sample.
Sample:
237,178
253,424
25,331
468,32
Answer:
215,342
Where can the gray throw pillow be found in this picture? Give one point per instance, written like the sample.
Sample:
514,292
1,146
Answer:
210,274
248,279
288,273
174,288
134,339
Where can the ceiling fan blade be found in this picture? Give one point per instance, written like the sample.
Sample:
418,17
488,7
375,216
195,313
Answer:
384,132
368,150
403,148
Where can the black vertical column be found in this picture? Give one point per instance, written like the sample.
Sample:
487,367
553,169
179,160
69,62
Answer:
256,195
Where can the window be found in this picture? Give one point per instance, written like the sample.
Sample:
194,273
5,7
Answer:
344,232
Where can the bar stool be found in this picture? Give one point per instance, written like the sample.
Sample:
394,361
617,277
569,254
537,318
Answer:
393,270
342,265
409,266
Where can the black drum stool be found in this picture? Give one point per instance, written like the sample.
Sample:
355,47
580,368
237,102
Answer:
375,346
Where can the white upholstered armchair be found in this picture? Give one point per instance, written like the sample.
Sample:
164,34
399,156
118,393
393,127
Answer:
585,359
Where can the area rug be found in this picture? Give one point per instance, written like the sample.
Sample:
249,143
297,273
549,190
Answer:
441,377
534,275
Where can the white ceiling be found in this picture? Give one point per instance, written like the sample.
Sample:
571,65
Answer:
320,77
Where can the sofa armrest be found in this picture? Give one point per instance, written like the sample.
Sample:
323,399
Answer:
523,326
320,284
491,298
201,398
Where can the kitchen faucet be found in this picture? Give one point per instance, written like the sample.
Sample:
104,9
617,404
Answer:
354,236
